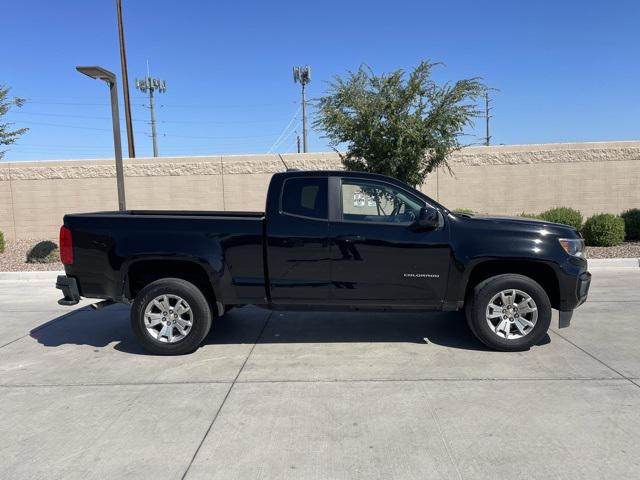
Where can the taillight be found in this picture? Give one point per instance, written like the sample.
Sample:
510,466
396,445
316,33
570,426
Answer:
66,246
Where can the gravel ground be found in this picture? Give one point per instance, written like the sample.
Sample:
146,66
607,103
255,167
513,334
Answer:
626,250
14,257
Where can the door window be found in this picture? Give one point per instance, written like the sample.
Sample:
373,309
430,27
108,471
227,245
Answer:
364,201
305,197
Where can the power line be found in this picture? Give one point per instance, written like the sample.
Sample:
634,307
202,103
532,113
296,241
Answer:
223,122
91,97
102,104
284,131
66,115
33,99
105,150
214,138
229,105
179,105
69,147
190,122
150,133
288,136
81,127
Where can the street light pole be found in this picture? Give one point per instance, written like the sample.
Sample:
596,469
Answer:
117,144
100,73
125,82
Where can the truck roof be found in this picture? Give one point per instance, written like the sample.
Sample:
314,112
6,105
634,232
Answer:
356,174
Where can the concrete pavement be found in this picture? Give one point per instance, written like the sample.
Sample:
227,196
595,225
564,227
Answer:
318,395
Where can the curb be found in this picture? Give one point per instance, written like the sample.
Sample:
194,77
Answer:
49,275
616,263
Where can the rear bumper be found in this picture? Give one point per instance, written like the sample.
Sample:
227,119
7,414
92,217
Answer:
69,288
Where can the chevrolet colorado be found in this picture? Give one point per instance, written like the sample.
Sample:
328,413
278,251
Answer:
327,240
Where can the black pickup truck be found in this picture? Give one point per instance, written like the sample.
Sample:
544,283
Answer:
328,240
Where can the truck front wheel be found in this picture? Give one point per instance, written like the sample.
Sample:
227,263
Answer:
170,317
509,312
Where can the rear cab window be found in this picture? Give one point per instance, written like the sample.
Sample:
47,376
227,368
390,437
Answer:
305,197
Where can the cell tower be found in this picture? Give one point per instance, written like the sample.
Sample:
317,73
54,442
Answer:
302,75
150,85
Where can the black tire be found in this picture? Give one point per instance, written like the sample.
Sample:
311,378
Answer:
476,311
201,318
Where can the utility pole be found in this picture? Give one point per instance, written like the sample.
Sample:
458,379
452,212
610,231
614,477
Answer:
302,75
487,114
150,85
487,137
125,82
298,137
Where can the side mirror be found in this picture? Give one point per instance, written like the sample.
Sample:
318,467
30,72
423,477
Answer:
428,218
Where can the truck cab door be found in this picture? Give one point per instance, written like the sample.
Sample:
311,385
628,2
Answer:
378,256
297,236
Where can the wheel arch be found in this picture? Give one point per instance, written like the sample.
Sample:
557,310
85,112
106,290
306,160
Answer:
540,272
144,271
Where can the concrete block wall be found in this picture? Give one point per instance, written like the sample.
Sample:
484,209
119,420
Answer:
510,179
591,177
6,203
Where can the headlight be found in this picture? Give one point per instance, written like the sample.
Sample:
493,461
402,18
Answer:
573,246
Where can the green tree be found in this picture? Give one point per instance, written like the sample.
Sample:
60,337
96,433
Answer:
7,135
397,124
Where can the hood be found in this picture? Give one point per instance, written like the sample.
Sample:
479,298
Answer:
523,223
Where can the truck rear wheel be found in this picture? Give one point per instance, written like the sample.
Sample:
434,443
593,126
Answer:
170,317
509,312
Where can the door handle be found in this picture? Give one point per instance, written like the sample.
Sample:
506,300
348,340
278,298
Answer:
350,238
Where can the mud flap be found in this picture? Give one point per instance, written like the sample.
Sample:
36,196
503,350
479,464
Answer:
564,318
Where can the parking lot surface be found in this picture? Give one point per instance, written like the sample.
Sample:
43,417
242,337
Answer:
298,395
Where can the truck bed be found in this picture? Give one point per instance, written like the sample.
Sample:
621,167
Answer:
225,245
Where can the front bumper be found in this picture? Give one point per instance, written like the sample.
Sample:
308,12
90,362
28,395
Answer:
575,299
582,290
69,288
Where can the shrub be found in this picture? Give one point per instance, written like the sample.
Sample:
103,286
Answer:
564,215
43,252
1,242
461,211
530,215
603,230
632,223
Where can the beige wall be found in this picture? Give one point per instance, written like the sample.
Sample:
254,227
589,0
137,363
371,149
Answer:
510,179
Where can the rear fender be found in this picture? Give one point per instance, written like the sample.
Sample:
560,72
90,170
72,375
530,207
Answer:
147,268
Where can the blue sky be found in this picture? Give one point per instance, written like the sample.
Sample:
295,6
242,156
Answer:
566,70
